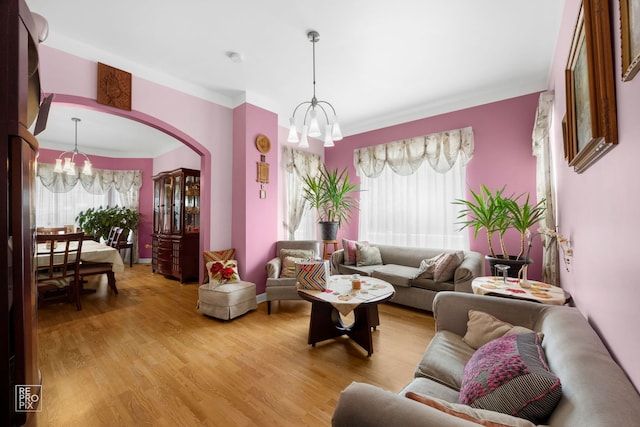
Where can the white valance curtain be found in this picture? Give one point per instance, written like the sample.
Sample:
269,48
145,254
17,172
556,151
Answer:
298,164
97,183
440,150
409,202
126,182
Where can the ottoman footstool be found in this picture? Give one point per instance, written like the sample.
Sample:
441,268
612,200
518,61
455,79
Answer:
227,301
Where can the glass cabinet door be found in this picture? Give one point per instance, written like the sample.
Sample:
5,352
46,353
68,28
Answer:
177,204
165,205
157,186
192,204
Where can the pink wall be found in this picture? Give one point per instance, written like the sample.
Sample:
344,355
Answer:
598,209
202,125
254,229
181,157
146,191
502,155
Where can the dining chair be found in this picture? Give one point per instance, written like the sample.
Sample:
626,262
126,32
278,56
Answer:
114,235
58,265
118,240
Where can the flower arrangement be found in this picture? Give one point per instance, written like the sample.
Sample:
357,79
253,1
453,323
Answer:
223,272
548,236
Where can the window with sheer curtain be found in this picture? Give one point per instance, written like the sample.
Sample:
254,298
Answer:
58,209
60,197
408,189
300,221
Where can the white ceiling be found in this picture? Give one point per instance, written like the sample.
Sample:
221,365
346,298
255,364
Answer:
379,62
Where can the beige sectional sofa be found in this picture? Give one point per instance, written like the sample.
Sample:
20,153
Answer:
400,266
595,390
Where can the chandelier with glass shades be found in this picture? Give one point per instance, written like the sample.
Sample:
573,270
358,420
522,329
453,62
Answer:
310,124
69,166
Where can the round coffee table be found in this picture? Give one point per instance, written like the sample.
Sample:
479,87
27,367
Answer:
327,306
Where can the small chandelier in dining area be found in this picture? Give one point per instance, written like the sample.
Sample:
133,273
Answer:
69,157
310,124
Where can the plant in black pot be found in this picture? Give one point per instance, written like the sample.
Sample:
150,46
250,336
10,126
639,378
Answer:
496,213
97,222
330,193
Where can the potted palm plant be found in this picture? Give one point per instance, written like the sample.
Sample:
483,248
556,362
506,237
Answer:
98,221
496,213
330,193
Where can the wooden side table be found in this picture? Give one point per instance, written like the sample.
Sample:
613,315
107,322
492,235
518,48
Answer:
325,254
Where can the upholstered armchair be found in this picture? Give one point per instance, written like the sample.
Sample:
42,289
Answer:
281,278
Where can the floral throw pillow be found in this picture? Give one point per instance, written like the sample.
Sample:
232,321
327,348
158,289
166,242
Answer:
211,256
221,272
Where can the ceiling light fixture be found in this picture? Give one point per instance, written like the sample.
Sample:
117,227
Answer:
312,128
69,157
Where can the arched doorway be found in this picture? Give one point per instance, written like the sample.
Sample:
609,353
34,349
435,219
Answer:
168,129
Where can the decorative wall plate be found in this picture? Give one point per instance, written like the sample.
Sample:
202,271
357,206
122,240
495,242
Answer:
263,144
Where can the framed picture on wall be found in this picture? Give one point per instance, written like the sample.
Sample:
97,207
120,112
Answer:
630,32
590,88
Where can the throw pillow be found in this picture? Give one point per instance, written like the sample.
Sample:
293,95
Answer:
350,251
478,416
305,254
289,266
483,327
446,265
222,255
221,272
427,266
367,255
510,375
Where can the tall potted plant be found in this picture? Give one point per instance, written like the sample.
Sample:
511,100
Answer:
330,193
98,221
496,213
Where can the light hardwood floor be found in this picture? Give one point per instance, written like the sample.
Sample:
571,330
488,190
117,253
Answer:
146,357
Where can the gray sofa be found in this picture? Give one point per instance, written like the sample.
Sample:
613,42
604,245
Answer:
401,264
595,390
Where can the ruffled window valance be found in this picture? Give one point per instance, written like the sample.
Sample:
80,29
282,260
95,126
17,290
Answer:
98,183
404,157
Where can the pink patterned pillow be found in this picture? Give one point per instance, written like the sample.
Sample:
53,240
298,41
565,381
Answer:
510,375
350,250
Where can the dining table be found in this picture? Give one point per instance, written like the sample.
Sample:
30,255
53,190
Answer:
91,251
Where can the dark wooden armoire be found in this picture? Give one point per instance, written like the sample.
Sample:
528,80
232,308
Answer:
19,108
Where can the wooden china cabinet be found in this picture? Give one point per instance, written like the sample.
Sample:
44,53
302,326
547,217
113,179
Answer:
176,224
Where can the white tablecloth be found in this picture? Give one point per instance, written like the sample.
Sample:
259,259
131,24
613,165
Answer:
91,251
345,299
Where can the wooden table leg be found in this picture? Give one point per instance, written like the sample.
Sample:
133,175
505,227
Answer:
325,323
366,318
321,323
